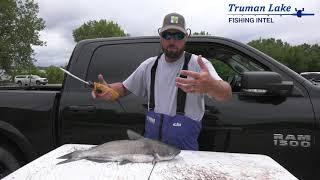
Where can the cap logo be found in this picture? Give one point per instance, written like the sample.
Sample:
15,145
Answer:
174,19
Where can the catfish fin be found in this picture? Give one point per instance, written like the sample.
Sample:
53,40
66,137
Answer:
156,158
66,156
133,135
124,162
73,156
98,160
66,161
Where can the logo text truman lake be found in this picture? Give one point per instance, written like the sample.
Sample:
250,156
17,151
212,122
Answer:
262,14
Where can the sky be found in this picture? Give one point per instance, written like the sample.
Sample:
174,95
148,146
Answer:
144,17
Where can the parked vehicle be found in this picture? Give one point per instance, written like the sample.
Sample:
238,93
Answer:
28,80
311,76
274,111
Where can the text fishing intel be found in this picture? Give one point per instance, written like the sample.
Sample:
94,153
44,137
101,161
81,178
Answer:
253,13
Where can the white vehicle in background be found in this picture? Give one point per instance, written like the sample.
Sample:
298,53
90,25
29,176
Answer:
28,80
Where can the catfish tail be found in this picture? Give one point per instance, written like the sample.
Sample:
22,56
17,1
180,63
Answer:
73,156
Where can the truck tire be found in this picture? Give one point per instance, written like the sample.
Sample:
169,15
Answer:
38,83
19,83
8,162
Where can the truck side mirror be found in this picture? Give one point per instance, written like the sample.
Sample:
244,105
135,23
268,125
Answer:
265,83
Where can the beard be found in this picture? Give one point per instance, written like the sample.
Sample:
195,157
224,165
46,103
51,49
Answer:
174,52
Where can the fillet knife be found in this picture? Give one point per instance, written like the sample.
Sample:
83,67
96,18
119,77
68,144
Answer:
97,87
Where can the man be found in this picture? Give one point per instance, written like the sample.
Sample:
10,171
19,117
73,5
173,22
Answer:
176,104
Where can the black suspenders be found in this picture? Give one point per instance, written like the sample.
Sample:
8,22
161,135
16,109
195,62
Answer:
181,96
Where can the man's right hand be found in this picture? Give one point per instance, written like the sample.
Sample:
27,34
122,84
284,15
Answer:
104,95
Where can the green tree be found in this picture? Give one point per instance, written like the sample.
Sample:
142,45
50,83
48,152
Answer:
19,29
300,58
54,75
98,29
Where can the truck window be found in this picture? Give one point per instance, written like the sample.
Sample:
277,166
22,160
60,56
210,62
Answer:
228,62
117,62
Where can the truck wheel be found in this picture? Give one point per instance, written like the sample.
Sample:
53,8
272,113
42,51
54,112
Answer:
8,163
38,83
19,83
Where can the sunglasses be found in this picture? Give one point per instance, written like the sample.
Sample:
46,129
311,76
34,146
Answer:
175,36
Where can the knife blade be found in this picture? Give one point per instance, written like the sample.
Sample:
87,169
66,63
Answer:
97,87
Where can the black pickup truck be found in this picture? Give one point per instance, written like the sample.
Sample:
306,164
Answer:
274,111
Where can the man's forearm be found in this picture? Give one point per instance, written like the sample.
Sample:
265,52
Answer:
220,90
119,88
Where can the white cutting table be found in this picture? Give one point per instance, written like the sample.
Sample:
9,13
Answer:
187,165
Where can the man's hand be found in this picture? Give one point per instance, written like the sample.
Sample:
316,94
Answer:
104,95
203,82
199,83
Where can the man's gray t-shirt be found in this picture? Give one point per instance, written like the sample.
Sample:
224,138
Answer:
165,90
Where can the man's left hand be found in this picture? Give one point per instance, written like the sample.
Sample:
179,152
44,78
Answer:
200,82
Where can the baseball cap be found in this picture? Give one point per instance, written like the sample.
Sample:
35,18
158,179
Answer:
173,21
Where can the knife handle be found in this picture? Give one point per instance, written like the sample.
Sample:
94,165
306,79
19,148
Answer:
101,88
